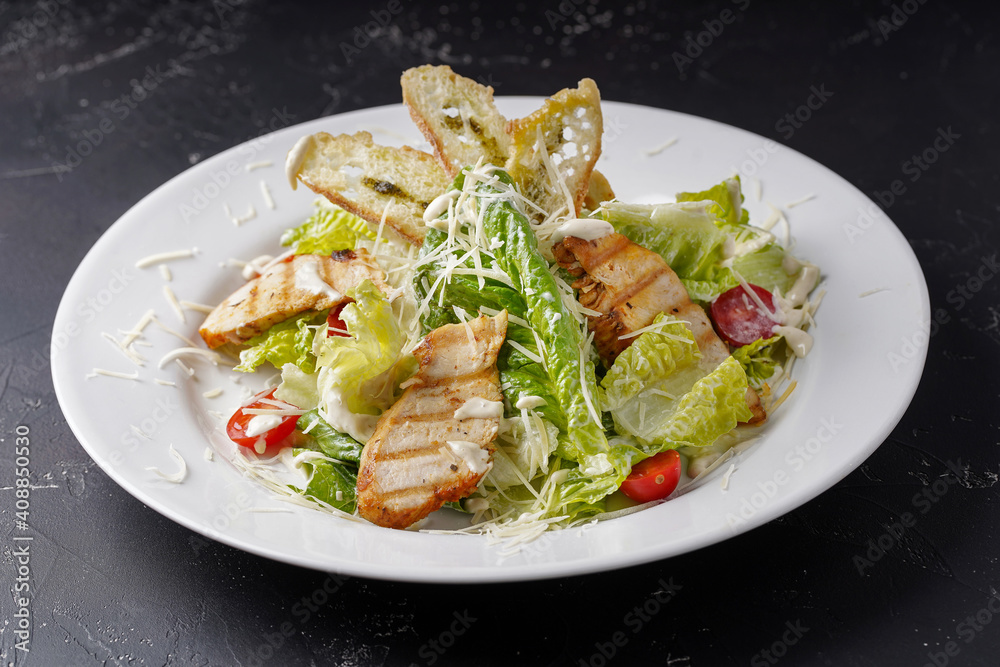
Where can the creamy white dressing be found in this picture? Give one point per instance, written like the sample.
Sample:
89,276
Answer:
296,156
476,505
530,402
255,266
261,424
588,229
790,265
333,409
559,476
439,205
808,277
798,340
479,408
762,240
307,278
789,315
729,247
475,457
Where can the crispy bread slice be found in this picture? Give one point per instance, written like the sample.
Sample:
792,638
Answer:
569,125
598,191
457,116
368,180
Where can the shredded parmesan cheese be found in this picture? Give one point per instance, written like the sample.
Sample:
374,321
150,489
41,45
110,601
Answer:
174,303
266,191
197,307
177,477
165,257
189,352
802,200
250,166
662,147
113,374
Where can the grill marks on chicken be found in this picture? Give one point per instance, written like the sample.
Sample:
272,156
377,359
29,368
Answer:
630,285
301,283
420,455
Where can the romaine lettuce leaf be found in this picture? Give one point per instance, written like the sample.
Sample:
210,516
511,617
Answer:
658,392
572,379
713,406
324,438
288,342
728,199
297,387
759,359
706,239
330,228
328,480
358,375
685,234
764,268
652,357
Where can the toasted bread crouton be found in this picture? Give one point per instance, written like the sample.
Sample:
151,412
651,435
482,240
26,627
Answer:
569,125
457,116
370,180
598,191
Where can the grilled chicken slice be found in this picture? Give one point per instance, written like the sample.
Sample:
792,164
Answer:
422,453
299,284
630,285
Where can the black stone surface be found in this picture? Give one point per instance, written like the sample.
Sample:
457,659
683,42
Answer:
114,583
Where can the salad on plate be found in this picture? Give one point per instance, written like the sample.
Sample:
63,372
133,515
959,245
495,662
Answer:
488,328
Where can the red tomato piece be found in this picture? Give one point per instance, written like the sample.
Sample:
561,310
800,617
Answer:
240,421
335,325
739,319
653,478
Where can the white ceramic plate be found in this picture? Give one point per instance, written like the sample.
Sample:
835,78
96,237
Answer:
853,388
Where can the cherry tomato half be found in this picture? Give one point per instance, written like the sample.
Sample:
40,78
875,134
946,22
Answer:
653,478
335,325
240,421
738,318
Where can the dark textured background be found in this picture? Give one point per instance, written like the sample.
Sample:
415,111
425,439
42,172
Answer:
114,583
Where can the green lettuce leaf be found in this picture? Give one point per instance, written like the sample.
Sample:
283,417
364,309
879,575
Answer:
327,479
728,199
659,393
563,432
297,387
759,359
324,438
704,238
329,229
288,342
358,375
572,381
764,268
651,358
758,257
685,234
